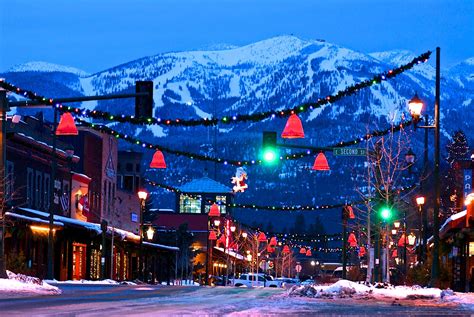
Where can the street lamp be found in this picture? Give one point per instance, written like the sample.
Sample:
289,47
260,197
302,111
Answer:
217,222
415,106
150,233
420,201
142,195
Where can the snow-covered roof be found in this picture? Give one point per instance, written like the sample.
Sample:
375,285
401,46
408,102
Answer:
32,219
231,253
161,246
125,235
204,185
452,218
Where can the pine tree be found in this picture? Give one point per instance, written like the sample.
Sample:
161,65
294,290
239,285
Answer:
452,181
458,148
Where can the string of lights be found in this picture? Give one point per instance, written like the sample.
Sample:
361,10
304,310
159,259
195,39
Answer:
148,145
103,115
276,208
254,206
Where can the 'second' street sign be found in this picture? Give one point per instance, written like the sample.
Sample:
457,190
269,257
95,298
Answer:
349,152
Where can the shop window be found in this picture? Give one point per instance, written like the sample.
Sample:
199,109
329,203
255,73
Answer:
137,183
120,181
30,187
46,191
9,189
65,197
128,183
189,204
38,190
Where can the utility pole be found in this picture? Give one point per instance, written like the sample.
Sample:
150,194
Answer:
344,241
3,198
50,272
435,265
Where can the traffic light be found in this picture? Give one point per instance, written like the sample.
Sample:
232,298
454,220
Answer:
144,104
269,147
385,212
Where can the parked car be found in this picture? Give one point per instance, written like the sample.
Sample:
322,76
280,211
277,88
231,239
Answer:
252,279
288,282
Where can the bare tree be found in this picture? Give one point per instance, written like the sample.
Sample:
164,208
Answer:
388,168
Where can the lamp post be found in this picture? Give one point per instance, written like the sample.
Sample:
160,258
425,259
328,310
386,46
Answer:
420,201
142,195
415,106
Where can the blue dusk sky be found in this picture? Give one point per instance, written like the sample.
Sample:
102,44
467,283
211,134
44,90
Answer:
97,34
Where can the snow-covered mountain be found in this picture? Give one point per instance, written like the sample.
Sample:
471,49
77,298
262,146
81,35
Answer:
38,66
276,73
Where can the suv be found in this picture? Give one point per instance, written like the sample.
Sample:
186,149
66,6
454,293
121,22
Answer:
252,279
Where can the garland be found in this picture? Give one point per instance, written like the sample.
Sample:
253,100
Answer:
147,145
348,91
280,208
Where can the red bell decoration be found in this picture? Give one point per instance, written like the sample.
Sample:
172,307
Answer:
66,125
270,249
273,241
262,237
214,211
286,249
308,252
351,212
293,128
401,241
212,236
352,240
394,253
321,163
221,240
158,160
362,251
303,250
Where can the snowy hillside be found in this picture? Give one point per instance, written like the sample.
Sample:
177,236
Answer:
46,67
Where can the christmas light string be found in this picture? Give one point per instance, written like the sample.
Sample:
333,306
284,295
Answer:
103,115
147,145
276,208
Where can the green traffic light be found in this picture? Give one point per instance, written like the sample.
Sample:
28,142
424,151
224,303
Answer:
269,155
385,213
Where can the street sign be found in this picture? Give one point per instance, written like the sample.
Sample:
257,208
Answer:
298,268
349,152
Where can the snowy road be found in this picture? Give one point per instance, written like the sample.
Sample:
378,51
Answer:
100,300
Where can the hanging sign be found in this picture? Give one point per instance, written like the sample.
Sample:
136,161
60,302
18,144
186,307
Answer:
349,152
467,188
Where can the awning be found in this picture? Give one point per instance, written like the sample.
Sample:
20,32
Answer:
455,221
95,227
161,246
65,220
32,219
231,253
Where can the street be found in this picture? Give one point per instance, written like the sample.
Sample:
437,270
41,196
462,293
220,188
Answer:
141,300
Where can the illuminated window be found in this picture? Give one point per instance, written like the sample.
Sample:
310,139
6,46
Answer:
189,204
221,202
471,248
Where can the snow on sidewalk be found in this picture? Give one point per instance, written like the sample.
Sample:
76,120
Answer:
345,288
96,282
27,285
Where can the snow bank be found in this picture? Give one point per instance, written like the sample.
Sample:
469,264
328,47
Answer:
345,288
98,282
23,284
